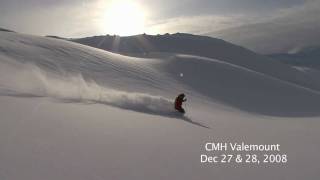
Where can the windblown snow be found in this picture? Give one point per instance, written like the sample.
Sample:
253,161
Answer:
69,111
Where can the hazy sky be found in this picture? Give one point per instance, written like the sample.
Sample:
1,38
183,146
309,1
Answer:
79,18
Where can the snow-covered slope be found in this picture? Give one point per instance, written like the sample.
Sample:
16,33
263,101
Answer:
65,70
181,43
34,66
69,111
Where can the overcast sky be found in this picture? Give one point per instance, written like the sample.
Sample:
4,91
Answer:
79,18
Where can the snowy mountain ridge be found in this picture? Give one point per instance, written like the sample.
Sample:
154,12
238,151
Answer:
181,43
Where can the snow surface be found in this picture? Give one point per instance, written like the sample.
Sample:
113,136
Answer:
69,111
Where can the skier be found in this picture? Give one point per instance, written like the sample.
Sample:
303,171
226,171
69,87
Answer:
178,102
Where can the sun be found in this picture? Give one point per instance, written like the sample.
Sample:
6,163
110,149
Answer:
124,18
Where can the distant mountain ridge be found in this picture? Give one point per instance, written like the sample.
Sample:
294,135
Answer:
306,57
6,30
180,43
140,44
57,37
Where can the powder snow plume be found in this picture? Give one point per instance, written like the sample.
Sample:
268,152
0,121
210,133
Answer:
28,80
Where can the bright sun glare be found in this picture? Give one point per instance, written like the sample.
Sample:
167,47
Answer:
124,18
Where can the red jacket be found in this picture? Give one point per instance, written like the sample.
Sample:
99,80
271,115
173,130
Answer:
178,102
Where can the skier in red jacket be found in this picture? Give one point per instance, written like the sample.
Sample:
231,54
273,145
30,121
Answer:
178,102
